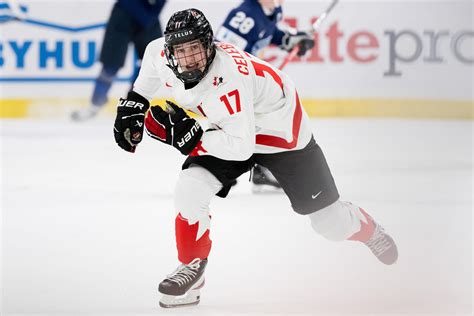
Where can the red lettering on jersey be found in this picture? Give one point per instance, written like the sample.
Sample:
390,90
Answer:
274,141
243,70
261,69
242,65
235,94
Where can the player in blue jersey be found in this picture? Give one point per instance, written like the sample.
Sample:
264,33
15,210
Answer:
131,21
252,26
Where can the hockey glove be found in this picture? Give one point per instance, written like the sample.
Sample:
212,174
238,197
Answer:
128,127
303,39
173,127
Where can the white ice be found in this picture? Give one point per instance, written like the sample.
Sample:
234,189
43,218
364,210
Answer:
89,228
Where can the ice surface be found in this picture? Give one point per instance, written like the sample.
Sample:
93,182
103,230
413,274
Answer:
89,228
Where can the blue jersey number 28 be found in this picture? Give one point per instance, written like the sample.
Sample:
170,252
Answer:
242,22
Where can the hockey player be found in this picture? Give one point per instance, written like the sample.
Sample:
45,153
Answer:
252,26
255,116
131,21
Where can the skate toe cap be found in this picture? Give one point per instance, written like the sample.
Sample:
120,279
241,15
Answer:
170,288
390,256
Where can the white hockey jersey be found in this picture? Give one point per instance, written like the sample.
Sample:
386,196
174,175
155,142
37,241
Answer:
251,106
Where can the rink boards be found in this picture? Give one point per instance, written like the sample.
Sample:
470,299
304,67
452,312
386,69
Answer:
375,108
372,59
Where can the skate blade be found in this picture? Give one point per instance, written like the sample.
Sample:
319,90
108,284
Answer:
188,299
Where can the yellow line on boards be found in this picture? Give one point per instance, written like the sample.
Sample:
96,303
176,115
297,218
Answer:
372,108
14,108
390,108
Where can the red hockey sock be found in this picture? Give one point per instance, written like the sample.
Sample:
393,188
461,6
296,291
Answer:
188,247
366,229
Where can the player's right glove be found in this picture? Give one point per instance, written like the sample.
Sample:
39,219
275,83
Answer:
303,39
173,127
128,127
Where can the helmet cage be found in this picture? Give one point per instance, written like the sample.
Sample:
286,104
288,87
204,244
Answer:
195,75
183,27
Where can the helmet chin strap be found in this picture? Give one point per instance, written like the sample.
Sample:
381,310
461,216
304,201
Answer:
188,76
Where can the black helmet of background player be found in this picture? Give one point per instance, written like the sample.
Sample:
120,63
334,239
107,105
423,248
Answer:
189,45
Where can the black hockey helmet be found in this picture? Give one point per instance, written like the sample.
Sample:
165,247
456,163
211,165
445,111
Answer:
186,26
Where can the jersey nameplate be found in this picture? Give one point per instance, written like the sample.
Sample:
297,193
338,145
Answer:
242,65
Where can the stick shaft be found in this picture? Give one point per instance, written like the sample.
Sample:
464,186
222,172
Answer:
314,28
322,17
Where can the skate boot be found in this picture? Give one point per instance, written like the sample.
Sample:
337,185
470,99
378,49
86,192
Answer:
85,114
182,287
263,181
373,235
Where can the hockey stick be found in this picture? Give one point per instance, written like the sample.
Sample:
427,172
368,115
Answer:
314,27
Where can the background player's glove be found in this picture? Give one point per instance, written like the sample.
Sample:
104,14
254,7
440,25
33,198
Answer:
303,39
173,127
128,127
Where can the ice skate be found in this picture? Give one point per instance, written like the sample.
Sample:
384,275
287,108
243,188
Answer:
380,243
85,114
382,246
182,287
263,181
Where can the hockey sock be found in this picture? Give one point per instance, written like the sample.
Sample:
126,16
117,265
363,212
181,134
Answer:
102,85
188,247
367,228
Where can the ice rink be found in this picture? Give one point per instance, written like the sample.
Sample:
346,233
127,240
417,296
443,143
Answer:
89,228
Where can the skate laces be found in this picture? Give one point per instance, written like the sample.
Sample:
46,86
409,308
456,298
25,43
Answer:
378,243
185,272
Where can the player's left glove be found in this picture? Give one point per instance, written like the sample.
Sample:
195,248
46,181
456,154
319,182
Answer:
173,127
303,39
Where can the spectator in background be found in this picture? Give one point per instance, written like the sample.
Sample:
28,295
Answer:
131,21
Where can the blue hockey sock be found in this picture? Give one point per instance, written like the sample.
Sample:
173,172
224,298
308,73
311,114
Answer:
102,85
